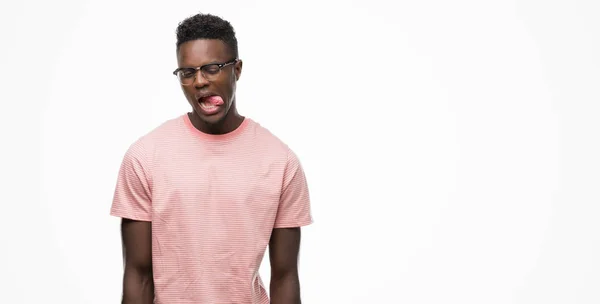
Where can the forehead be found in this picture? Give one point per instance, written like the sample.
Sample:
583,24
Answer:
202,51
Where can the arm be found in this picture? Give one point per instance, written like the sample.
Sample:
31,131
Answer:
283,253
138,283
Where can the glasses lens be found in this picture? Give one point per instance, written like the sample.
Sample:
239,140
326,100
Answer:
211,70
186,76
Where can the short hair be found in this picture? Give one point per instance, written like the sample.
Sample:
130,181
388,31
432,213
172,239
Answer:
207,26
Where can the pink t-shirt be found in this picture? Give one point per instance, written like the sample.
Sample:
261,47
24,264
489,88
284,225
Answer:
213,201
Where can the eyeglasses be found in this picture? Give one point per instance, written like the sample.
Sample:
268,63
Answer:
210,72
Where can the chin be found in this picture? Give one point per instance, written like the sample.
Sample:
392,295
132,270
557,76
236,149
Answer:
210,119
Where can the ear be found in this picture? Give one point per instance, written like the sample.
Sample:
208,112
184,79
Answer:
238,69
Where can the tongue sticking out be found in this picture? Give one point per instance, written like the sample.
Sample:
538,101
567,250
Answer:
213,100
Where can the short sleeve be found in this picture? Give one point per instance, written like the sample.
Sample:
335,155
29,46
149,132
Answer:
132,198
294,205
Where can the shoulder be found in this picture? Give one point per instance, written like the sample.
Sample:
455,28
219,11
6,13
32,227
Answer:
267,140
145,145
169,129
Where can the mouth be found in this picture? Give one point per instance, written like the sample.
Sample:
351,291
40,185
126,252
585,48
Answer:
208,108
209,103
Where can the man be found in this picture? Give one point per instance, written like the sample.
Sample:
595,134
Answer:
202,195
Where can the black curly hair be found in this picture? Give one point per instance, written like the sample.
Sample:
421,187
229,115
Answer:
207,26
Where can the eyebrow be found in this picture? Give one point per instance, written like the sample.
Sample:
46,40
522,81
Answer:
211,62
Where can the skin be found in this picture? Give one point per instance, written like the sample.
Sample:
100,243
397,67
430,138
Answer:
196,53
138,283
283,254
284,244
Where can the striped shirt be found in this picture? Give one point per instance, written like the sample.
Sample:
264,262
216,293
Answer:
213,201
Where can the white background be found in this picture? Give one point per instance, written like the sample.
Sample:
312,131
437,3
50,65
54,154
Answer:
452,147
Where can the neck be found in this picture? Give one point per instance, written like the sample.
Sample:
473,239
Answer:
231,122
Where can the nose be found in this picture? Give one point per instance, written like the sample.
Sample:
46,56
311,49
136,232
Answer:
199,80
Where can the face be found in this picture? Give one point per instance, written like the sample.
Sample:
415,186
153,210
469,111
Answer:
220,108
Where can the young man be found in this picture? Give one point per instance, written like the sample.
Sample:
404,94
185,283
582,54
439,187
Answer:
203,194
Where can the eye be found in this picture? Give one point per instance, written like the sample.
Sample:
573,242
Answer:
187,73
211,69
